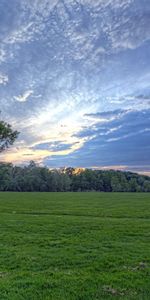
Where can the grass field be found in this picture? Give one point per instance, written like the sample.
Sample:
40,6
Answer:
74,246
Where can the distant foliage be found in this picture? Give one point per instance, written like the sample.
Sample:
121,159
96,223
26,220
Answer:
35,178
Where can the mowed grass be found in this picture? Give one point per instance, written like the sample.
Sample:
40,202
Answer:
74,246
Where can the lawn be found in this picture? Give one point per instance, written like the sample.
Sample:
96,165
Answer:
74,246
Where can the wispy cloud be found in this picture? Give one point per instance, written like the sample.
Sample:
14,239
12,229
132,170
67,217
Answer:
2,55
23,34
107,116
24,97
75,75
3,79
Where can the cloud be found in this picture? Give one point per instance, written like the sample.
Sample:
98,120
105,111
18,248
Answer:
23,34
107,3
82,70
23,154
2,55
107,116
128,135
3,79
115,168
130,168
24,97
37,7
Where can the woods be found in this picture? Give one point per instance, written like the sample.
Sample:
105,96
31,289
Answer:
41,179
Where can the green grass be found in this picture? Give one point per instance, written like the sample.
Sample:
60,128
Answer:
74,246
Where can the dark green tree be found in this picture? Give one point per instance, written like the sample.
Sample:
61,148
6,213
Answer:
7,135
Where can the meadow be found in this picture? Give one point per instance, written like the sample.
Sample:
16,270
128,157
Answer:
74,246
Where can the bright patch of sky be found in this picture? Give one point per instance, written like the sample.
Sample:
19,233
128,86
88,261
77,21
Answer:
74,80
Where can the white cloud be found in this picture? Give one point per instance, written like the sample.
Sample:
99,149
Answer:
128,135
106,117
43,7
24,97
2,55
22,34
37,11
3,79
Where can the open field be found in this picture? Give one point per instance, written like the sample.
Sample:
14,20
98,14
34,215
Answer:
74,246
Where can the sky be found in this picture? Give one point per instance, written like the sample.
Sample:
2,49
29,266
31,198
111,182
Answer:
75,81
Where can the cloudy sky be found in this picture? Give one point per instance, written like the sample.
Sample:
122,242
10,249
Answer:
75,81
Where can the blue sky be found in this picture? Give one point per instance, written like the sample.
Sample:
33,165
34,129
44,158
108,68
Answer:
75,81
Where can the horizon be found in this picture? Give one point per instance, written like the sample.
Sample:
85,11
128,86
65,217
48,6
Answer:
74,81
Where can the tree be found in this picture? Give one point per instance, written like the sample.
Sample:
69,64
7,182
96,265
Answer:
116,184
147,186
134,187
7,135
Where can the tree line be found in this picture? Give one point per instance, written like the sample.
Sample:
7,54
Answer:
34,178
